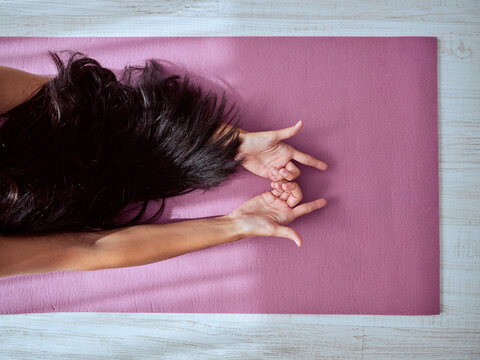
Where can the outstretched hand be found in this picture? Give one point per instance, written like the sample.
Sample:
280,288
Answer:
268,213
267,157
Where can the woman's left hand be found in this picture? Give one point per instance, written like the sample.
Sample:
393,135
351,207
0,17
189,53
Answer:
265,154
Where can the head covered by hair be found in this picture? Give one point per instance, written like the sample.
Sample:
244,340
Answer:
87,145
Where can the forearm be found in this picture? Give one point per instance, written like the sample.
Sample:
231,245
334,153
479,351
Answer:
144,244
130,246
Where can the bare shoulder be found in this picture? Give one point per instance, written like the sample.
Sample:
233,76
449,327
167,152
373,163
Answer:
18,86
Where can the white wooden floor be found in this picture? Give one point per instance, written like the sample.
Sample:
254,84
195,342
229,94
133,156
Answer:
455,334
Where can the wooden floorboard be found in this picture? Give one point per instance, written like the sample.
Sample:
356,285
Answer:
452,335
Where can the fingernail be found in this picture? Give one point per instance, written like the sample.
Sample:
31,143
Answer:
284,172
274,171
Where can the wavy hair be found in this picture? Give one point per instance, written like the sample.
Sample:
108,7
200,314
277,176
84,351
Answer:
86,145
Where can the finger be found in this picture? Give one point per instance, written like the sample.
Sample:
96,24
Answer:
293,169
277,185
278,174
286,232
309,160
288,191
295,192
309,207
287,175
275,174
277,190
284,196
288,132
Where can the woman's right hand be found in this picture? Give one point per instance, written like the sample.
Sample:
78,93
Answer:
268,213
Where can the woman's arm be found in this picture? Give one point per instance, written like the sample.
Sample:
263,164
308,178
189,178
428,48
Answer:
131,246
263,215
17,86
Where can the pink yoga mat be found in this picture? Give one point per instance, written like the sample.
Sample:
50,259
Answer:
369,107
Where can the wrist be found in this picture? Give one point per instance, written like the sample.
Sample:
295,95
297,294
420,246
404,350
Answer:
234,227
242,135
245,226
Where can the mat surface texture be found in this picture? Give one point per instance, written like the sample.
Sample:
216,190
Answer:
369,107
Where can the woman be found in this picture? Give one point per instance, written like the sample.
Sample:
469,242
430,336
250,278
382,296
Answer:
77,148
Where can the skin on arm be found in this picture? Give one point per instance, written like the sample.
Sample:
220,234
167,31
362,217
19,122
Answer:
129,246
18,86
263,215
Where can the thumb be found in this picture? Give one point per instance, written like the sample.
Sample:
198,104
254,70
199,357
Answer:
289,132
286,232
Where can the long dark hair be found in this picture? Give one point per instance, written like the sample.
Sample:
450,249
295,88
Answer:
87,145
